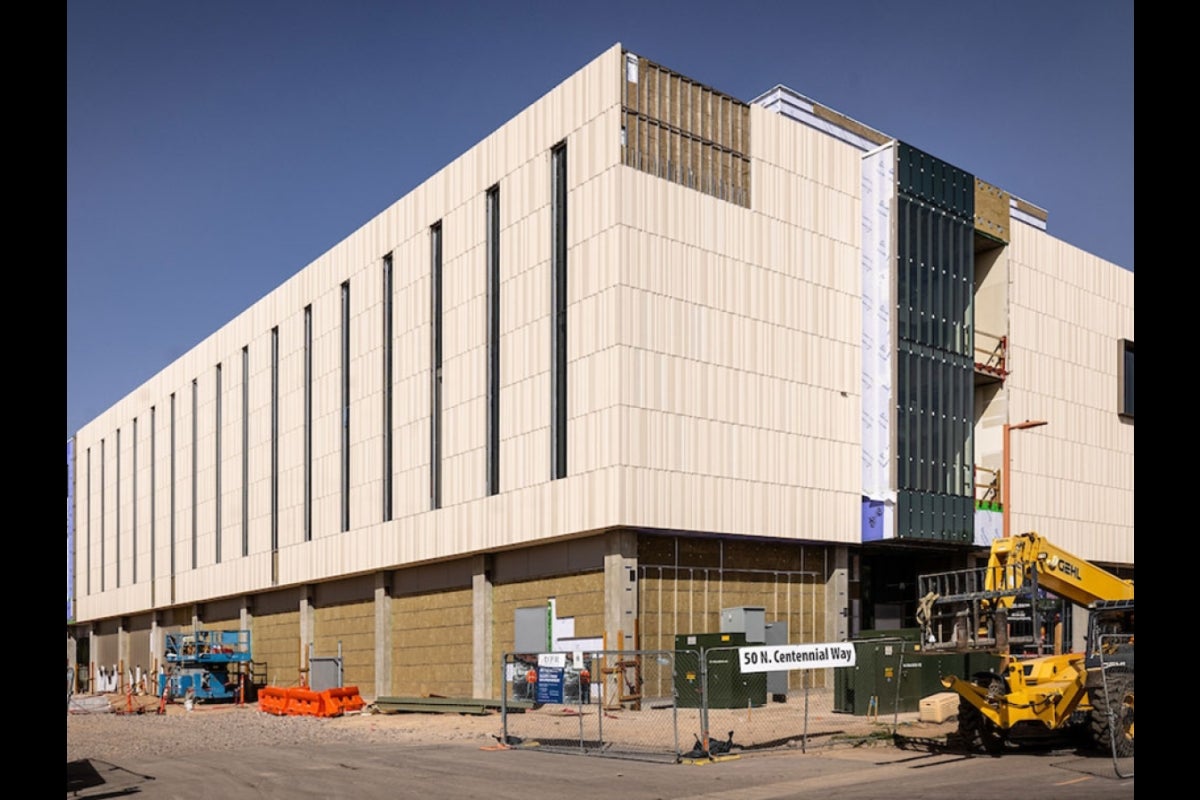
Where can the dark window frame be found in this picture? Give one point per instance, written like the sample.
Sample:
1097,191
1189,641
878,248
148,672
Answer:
387,386
1125,378
345,415
558,311
435,367
493,334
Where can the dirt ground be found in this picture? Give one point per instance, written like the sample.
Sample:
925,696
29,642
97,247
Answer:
113,727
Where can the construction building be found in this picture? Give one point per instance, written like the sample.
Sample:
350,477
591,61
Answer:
646,352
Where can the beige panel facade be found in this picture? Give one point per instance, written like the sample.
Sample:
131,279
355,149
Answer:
687,363
1072,478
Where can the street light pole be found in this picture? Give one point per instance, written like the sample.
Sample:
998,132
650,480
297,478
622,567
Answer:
1004,477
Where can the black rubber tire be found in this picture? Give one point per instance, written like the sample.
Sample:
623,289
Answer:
1115,735
977,731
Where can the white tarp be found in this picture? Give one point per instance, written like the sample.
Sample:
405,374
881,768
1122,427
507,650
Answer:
878,259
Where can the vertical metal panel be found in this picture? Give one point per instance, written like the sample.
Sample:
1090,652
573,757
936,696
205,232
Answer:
558,293
387,387
308,420
216,465
435,369
274,449
245,456
153,497
195,467
345,409
117,508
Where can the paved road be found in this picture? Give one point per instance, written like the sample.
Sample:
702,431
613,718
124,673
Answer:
459,771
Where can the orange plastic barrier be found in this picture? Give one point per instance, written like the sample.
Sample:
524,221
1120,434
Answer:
299,701
305,702
339,701
273,700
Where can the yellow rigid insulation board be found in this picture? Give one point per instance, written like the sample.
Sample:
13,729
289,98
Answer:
992,211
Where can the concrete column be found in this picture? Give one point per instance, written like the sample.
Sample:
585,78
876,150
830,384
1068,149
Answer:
246,618
837,599
157,644
837,595
246,623
308,624
124,657
484,669
383,635
90,667
73,656
620,588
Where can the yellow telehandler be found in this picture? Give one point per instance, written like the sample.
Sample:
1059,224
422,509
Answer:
1036,696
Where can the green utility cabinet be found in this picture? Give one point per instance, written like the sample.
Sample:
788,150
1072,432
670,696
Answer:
878,674
728,687
892,667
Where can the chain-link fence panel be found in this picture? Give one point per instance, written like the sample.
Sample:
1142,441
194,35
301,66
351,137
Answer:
742,715
595,703
874,692
674,704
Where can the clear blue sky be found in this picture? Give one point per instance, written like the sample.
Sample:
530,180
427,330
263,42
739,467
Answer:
216,148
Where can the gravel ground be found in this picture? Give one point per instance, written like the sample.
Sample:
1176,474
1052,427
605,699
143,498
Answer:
103,728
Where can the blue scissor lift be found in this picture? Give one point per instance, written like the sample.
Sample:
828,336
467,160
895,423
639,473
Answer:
206,664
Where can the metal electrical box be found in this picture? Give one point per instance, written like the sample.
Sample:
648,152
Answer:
750,620
777,681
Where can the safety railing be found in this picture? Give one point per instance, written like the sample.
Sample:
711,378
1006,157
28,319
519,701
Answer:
991,354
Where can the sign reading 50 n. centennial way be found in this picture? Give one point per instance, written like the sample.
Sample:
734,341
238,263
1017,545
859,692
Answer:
796,656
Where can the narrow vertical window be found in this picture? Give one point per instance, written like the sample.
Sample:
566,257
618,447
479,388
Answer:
345,515
387,388
435,370
117,509
246,450
493,334
133,508
102,542
308,443
274,444
1125,379
172,509
195,465
153,490
558,291
217,458
89,520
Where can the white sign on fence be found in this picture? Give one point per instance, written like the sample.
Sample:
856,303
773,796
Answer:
796,656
